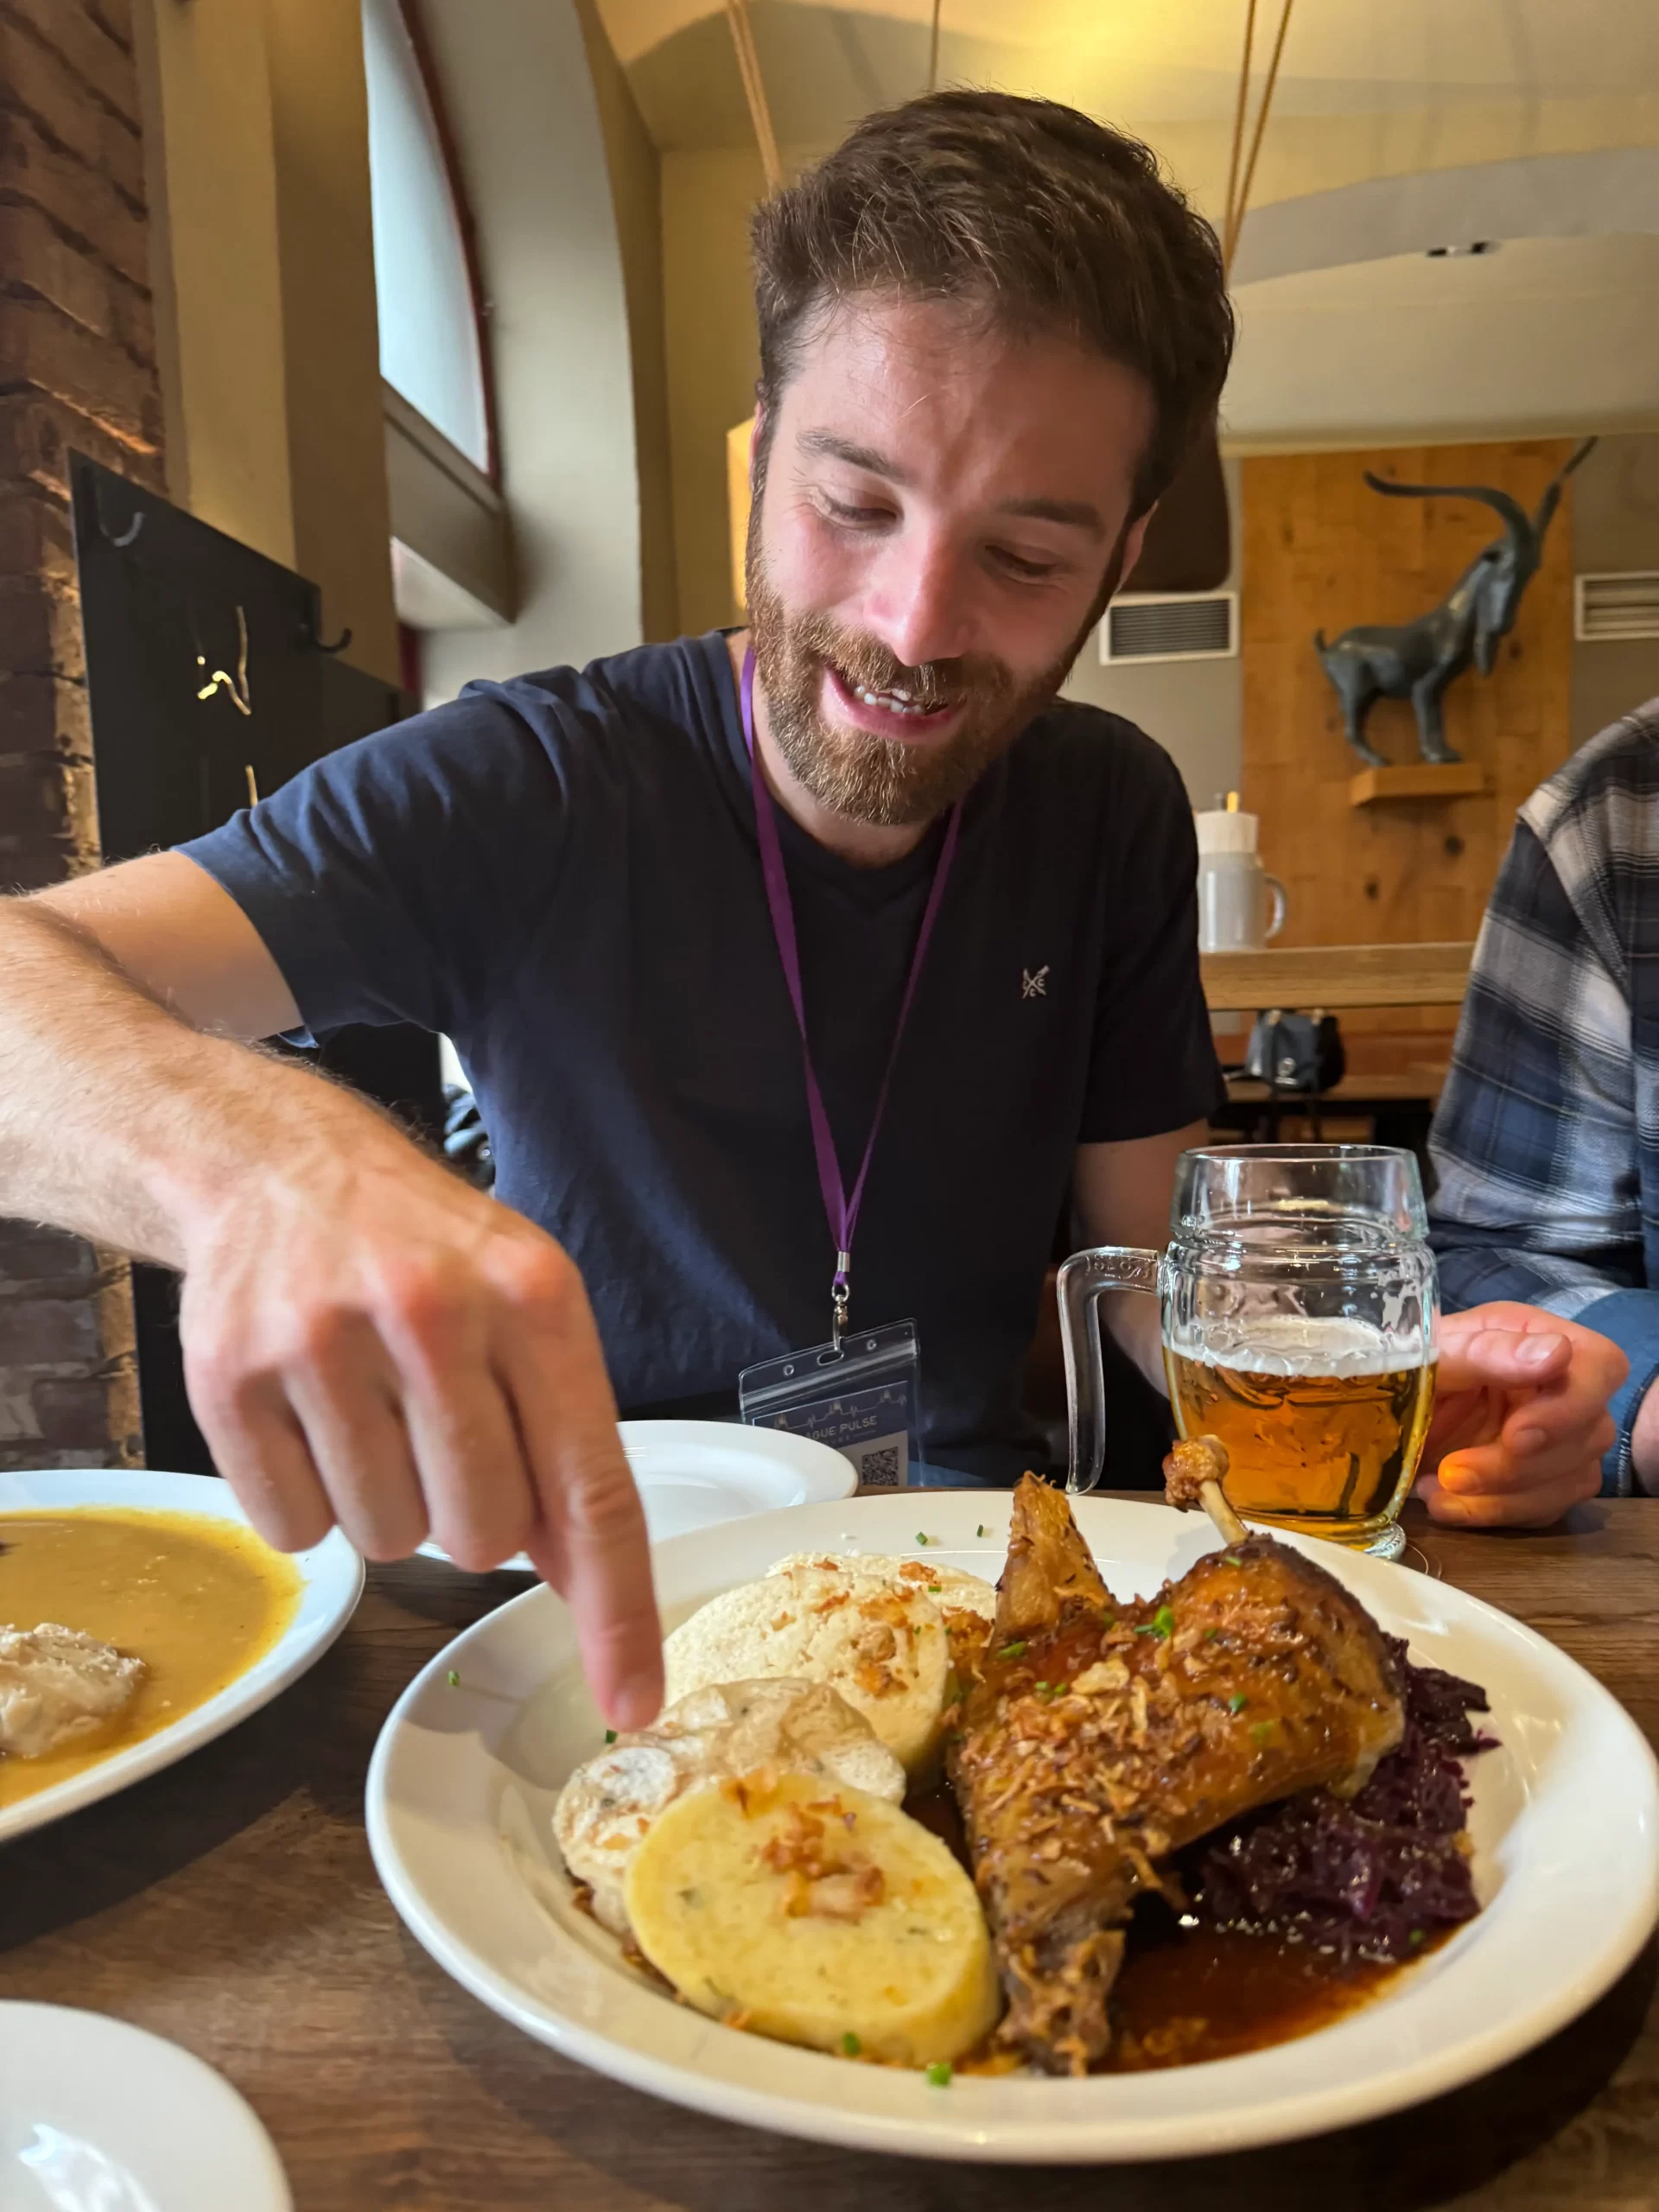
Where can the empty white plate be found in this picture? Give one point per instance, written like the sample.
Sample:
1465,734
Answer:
695,1474
96,2116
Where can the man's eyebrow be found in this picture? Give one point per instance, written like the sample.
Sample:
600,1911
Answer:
826,445
1075,514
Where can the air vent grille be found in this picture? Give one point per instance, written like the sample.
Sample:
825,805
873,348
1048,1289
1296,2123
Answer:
1171,625
1626,605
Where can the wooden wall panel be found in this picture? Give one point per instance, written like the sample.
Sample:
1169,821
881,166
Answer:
1322,550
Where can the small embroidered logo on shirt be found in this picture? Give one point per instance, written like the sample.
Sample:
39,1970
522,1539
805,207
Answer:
1034,987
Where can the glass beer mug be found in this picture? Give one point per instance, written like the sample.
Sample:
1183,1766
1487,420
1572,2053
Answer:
1300,1317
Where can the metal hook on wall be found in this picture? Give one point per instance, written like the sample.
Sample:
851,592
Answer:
319,645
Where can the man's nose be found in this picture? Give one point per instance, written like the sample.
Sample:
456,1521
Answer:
920,601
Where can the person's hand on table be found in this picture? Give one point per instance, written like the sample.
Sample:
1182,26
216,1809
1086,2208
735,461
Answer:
1520,1421
370,1341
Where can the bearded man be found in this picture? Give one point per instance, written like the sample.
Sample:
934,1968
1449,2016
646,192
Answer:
814,962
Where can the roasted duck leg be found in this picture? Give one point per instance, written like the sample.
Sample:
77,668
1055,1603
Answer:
1097,1737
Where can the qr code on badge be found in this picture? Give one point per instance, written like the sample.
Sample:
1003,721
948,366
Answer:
881,1467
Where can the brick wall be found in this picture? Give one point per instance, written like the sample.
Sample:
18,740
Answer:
77,370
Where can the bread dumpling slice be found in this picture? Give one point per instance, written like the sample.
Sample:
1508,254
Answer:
882,1646
951,1588
607,1806
967,1603
823,1917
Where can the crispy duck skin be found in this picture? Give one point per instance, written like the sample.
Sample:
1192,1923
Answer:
1097,1737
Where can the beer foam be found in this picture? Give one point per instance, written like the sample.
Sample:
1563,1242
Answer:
1290,1343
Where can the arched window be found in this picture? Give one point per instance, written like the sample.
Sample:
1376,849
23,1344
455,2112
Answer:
430,348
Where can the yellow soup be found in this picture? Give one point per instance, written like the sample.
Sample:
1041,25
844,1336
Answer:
198,1600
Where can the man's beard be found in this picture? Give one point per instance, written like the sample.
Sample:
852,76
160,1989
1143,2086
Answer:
880,781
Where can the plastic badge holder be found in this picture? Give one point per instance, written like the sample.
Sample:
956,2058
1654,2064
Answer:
861,1399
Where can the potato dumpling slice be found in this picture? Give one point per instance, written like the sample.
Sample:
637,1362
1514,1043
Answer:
609,1804
820,1917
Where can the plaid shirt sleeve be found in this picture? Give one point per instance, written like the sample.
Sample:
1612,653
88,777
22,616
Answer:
1536,1148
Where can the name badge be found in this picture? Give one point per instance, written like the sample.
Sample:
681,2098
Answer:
860,1396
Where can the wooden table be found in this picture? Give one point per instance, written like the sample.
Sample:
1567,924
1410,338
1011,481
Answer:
1354,1093
1399,1105
230,1903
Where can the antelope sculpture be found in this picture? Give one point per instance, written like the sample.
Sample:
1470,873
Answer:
1417,660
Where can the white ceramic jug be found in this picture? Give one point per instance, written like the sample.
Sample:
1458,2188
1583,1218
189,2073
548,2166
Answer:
1241,906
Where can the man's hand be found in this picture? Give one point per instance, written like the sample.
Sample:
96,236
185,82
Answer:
1520,1420
370,1341
367,1340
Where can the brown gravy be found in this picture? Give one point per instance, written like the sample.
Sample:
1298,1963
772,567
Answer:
198,1600
1192,1994
1186,1994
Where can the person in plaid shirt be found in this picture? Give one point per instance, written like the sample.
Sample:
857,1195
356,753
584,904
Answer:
1546,1145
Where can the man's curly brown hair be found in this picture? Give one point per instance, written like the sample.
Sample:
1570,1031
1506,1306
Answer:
1028,212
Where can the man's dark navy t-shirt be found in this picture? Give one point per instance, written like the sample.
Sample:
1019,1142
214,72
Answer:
561,874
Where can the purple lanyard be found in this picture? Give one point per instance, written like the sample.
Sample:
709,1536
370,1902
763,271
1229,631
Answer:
843,1210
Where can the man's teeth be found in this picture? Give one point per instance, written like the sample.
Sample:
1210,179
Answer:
891,703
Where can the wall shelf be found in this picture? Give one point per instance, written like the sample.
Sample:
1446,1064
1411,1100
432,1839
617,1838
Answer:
1419,779
1337,976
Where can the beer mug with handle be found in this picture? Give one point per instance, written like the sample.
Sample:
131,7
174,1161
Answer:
1300,1320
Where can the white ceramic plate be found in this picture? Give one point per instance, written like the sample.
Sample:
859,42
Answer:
96,2116
331,1577
696,1474
1566,1826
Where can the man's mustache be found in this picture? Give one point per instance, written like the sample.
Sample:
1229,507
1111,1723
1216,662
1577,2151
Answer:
865,664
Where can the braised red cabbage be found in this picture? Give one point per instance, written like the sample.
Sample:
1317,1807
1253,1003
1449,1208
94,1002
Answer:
1371,1878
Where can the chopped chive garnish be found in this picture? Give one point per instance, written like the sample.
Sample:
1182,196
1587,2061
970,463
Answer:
939,2073
1238,1702
1108,1620
1041,1688
610,1735
1163,1621
1261,1732
920,1538
1059,1689
1415,1937
936,1589
1015,1650
1213,1635
850,2044
981,1530
453,1679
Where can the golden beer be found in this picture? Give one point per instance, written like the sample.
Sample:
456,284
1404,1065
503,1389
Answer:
1325,1444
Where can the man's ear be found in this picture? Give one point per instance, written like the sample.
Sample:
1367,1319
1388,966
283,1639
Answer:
1136,538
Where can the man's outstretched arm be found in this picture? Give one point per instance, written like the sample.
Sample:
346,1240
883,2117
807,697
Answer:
1536,1157
367,1340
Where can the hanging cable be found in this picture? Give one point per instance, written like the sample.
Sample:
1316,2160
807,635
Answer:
754,90
1230,246
1238,123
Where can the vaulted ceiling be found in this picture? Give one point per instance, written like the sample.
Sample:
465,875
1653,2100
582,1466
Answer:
1138,62
1396,125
